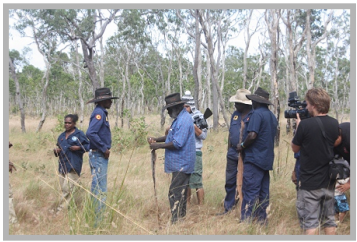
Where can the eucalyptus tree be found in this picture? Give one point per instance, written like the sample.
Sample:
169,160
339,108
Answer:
315,33
338,64
215,25
248,34
294,20
46,40
86,25
14,58
272,17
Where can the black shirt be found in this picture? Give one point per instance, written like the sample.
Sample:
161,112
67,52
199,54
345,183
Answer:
315,151
344,148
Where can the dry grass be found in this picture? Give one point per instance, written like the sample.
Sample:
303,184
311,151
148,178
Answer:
132,208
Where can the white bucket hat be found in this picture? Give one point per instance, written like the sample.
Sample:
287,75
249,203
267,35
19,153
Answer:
240,97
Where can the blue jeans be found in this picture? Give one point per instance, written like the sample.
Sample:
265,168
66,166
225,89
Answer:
99,168
255,192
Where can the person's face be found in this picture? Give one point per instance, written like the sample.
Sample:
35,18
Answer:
188,108
255,104
310,108
173,112
107,103
239,107
69,124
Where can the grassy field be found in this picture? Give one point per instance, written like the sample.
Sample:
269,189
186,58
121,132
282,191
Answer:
131,204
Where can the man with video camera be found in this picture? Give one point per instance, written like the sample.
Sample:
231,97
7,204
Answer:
315,138
200,126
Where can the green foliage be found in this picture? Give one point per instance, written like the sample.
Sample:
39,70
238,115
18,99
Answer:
126,139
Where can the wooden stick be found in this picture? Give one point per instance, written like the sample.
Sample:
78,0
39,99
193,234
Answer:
239,194
153,161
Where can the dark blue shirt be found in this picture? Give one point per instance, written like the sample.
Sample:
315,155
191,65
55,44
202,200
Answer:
182,135
99,130
261,152
234,132
68,159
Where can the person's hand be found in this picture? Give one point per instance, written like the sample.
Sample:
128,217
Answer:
343,187
239,148
106,154
151,140
155,146
10,145
56,151
74,148
293,178
11,166
297,119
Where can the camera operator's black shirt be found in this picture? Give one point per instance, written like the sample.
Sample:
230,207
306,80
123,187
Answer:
315,151
344,148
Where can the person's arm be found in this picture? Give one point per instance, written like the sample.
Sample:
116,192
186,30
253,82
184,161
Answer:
295,147
248,141
198,132
343,187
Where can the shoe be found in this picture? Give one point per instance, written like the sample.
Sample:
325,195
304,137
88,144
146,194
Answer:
221,214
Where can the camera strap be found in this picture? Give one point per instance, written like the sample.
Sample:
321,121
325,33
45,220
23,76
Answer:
322,129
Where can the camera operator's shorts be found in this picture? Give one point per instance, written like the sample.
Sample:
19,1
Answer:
316,208
341,204
196,176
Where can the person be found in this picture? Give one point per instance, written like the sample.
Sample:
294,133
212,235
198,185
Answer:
315,196
99,135
180,155
12,214
340,199
243,113
258,148
342,149
71,145
200,135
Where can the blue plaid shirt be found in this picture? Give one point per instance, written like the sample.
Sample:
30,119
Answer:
182,135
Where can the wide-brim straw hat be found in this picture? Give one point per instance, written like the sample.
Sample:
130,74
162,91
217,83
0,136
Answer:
173,100
260,96
102,94
240,97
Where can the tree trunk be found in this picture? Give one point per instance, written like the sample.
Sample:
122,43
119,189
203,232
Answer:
18,95
273,22
197,64
80,87
88,58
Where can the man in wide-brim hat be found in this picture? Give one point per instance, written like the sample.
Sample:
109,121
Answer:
180,155
100,143
242,114
258,148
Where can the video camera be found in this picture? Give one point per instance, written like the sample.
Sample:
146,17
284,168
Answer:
201,123
300,107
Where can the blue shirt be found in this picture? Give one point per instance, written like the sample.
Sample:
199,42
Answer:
182,135
234,132
68,159
261,152
99,130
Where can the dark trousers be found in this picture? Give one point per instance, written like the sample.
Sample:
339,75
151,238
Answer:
177,195
231,183
255,192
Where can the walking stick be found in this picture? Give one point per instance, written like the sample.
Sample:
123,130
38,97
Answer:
239,194
153,161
